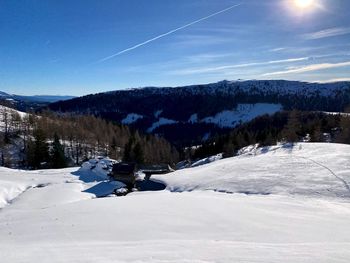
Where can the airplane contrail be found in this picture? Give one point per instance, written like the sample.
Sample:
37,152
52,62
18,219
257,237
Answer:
168,33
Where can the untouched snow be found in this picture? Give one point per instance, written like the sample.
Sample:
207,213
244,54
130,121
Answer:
131,118
305,169
243,113
49,216
62,185
166,227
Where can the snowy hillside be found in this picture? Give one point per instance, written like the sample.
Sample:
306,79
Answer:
7,115
3,108
287,205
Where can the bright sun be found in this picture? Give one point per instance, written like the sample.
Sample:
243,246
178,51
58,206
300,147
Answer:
304,4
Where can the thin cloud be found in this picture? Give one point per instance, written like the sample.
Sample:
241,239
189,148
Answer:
168,33
330,32
314,67
208,57
222,68
277,49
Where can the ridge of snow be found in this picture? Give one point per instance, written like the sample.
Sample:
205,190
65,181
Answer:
282,87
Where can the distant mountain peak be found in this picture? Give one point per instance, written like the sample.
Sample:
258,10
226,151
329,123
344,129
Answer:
31,102
4,94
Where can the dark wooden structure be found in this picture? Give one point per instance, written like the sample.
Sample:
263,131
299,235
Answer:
148,170
125,173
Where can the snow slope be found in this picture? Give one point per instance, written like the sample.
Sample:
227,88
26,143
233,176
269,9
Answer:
303,169
50,217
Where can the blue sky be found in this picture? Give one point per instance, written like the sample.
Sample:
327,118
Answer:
64,46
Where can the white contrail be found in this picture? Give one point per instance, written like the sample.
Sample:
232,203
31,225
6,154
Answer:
168,33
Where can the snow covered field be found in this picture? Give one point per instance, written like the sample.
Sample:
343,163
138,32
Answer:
286,204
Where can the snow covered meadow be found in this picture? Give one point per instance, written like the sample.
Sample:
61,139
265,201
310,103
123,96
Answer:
273,204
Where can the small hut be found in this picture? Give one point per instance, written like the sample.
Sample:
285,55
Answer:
125,173
155,169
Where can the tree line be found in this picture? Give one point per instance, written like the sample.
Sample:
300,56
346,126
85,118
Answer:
287,126
50,140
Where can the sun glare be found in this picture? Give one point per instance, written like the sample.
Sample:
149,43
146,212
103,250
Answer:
304,4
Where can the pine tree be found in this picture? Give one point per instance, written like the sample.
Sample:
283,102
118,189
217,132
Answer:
2,149
138,154
128,151
344,136
37,152
113,148
58,159
5,118
291,130
316,135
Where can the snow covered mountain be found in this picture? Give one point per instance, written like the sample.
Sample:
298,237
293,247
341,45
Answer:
201,110
269,205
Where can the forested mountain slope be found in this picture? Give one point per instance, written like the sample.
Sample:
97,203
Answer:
200,111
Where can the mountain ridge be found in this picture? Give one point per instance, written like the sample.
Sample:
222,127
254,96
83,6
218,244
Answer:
207,108
26,103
